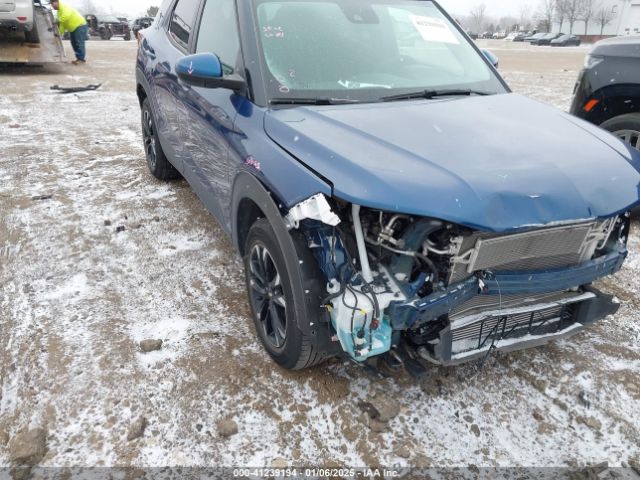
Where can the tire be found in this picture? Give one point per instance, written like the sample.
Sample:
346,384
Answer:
158,164
127,37
625,127
270,293
32,35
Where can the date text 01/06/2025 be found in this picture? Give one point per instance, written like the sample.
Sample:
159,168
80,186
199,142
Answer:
315,472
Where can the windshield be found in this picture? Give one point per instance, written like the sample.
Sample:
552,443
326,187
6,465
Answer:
365,50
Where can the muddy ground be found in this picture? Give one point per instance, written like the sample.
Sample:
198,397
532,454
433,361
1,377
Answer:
96,255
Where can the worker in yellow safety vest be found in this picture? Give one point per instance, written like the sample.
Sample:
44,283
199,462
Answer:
71,21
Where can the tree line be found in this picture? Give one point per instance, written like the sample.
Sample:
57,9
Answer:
548,13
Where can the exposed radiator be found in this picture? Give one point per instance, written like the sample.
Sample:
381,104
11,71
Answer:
536,250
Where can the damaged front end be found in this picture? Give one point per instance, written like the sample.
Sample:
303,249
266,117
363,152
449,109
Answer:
448,293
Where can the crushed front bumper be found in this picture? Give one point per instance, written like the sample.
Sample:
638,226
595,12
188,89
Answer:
507,327
407,315
506,330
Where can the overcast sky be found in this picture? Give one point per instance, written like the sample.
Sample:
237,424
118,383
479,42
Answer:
496,8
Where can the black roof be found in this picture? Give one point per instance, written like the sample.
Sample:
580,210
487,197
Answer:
618,47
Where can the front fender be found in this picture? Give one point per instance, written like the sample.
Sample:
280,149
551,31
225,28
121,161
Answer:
246,186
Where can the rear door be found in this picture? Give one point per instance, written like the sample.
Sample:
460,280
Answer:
170,45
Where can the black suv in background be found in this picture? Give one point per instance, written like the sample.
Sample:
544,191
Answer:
140,24
107,26
607,92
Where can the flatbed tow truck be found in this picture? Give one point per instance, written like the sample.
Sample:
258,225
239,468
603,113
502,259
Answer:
48,49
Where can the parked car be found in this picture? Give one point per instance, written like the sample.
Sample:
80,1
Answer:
499,35
486,35
546,39
19,15
566,41
472,35
369,188
107,26
522,36
535,37
607,92
140,24
511,37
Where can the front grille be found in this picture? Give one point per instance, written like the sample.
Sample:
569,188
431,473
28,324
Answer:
537,250
482,334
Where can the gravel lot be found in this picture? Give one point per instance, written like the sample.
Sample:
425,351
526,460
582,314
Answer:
96,255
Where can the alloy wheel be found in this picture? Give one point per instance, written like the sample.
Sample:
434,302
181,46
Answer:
267,295
149,138
632,137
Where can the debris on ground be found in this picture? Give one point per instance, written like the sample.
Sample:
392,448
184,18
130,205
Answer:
227,427
87,88
42,197
386,406
137,428
150,345
28,447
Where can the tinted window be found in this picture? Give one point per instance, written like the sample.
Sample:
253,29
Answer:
219,32
182,21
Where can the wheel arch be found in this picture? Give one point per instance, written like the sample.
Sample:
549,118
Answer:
250,201
141,93
142,86
613,100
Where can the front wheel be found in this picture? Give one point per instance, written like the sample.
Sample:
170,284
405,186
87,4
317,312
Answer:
158,164
270,291
626,128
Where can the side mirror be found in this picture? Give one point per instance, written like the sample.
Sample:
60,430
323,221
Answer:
491,57
205,70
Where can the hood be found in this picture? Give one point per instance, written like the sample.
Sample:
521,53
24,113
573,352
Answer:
495,163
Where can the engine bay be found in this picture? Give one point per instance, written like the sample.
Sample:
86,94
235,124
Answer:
450,291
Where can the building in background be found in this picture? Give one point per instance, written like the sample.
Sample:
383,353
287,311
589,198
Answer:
607,17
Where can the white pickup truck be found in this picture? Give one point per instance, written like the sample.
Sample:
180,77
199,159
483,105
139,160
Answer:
18,15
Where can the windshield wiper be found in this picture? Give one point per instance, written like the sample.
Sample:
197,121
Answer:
428,94
311,101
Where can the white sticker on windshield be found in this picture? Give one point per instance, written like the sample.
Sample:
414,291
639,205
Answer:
433,29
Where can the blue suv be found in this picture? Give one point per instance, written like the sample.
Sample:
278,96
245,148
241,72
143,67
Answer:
392,199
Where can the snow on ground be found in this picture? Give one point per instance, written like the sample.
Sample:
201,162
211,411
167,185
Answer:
77,295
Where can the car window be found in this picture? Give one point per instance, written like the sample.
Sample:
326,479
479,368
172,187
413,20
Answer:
218,32
107,19
368,50
182,20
